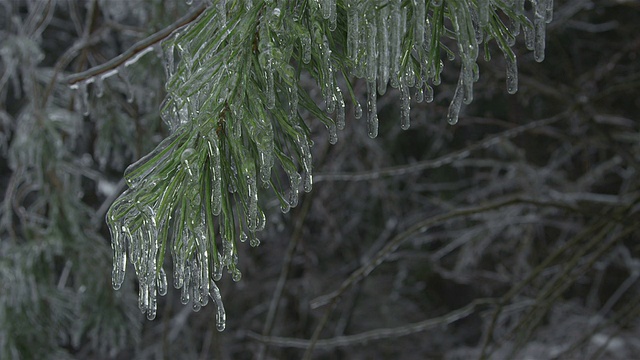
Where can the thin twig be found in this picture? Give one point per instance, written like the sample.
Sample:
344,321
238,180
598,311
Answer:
378,334
332,298
438,162
284,274
138,47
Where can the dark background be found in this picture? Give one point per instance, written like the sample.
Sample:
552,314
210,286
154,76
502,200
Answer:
515,230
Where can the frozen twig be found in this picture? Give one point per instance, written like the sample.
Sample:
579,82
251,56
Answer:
378,334
137,48
438,162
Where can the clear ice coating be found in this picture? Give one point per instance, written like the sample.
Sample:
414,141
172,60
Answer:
232,108
512,74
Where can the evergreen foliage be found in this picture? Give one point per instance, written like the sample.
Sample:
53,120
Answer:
232,107
511,234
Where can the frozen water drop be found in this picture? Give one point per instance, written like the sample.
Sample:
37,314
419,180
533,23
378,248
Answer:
220,314
237,275
456,104
405,109
357,110
254,242
512,75
162,283
372,120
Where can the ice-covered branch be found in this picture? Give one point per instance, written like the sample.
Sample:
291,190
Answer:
137,50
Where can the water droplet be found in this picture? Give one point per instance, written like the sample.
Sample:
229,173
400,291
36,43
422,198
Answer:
162,283
357,109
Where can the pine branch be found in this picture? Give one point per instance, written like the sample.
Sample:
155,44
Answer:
232,107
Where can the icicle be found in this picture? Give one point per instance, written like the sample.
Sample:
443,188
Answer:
294,180
305,42
293,102
405,109
333,133
512,73
428,97
383,55
254,242
162,283
305,154
217,270
395,37
357,109
329,13
184,296
420,21
178,263
419,95
353,31
196,302
476,72
119,257
203,267
266,62
284,206
169,65
216,175
152,307
539,23
220,314
143,297
538,51
372,121
252,205
227,248
134,246
327,69
529,37
484,8
548,14
467,82
326,8
262,220
196,296
222,12
270,91
236,275
333,16
340,116
456,103
185,159
436,75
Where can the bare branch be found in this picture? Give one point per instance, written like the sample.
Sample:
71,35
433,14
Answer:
137,48
378,334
